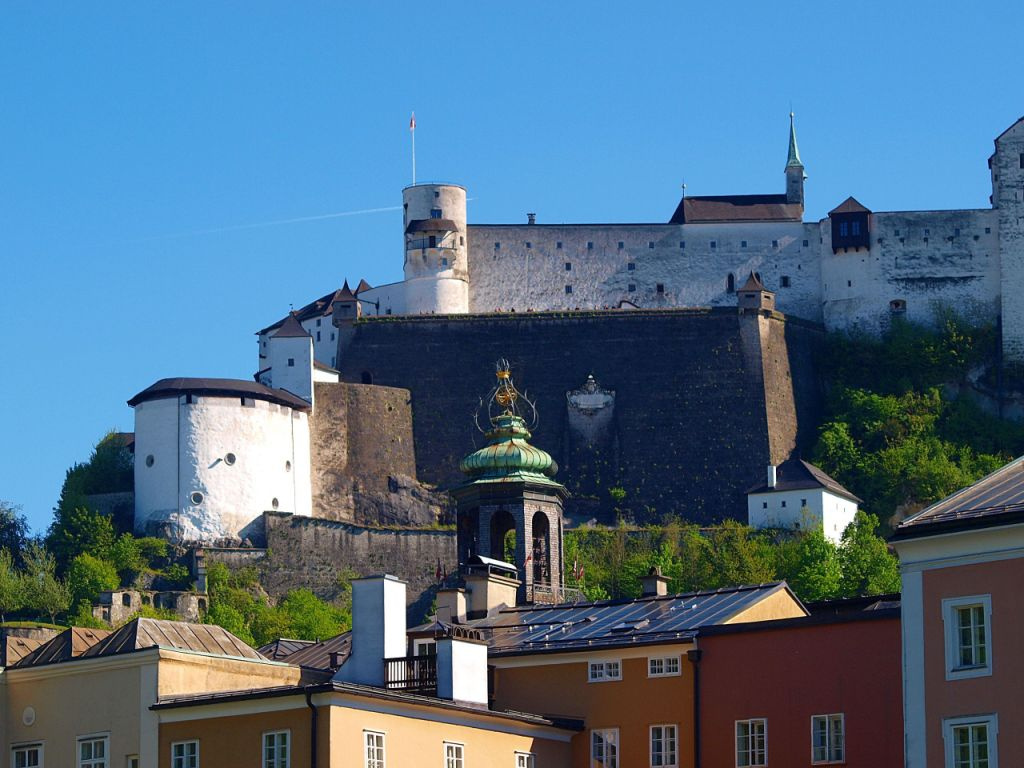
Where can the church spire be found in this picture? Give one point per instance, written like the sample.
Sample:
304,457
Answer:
793,161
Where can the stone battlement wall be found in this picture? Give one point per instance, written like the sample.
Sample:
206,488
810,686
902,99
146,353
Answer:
694,423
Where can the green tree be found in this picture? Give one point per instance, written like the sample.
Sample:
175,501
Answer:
12,585
44,591
80,530
868,568
13,530
817,573
738,557
126,557
311,618
88,576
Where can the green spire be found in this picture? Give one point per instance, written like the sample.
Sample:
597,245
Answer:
508,456
793,161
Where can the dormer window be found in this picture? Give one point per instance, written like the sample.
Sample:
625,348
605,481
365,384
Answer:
435,213
851,225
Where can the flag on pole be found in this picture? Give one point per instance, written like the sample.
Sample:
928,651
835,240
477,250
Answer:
412,122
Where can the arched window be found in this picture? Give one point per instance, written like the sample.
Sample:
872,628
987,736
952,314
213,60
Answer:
541,550
730,283
503,536
469,534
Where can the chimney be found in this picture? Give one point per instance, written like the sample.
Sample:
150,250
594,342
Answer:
531,218
772,475
451,605
487,592
653,584
462,666
378,629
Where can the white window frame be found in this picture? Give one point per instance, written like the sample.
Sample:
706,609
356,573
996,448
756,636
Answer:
526,760
750,761
604,670
457,760
830,720
991,723
184,758
420,643
951,627
25,746
608,736
277,759
103,762
371,761
674,741
664,660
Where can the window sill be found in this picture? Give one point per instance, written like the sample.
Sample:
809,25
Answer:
966,673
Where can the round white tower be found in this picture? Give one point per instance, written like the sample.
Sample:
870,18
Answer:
436,254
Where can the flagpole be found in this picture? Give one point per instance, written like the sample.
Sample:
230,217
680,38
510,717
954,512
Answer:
412,131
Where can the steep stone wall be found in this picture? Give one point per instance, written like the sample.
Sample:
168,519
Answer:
364,466
694,427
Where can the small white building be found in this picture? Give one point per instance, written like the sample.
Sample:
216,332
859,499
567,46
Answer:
797,495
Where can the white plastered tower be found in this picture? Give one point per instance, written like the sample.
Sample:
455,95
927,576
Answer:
436,253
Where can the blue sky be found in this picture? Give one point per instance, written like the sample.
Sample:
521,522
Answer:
129,131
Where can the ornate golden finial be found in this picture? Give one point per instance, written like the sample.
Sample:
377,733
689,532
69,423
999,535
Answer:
509,400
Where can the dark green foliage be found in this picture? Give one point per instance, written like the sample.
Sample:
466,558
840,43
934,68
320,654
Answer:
79,531
45,592
88,576
12,585
866,565
891,434
13,530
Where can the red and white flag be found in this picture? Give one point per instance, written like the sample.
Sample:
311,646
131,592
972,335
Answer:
412,122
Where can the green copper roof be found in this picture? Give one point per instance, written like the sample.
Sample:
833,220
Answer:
793,161
508,456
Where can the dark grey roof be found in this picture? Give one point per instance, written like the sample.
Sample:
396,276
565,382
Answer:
610,623
218,388
996,499
431,225
291,328
722,208
318,308
144,633
797,474
321,655
69,644
282,648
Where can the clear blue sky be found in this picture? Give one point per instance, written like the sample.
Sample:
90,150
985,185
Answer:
128,131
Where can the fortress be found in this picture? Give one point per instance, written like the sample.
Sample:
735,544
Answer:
670,362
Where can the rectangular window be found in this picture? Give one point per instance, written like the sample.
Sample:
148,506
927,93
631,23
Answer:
650,244
277,751
844,229
444,263
971,741
291,362
743,243
968,643
751,743
374,743
775,243
435,213
497,246
621,245
27,756
682,243
1022,159
590,246
422,647
714,244
631,287
453,755
631,266
133,761
659,288
94,752
783,505
604,748
764,505
855,227
663,666
529,244
318,332
664,746
568,266
603,671
185,754
956,232
784,282
525,760
318,322
568,289
806,243
828,739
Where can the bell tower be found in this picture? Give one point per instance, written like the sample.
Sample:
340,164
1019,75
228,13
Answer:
795,175
511,501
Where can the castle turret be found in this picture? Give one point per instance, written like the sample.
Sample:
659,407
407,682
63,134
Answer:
511,493
436,255
794,168
290,355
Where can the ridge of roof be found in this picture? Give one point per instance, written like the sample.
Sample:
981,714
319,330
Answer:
796,474
753,283
219,388
70,644
850,205
363,286
317,308
142,633
291,328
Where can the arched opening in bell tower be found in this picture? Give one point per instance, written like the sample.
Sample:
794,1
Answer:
503,536
469,534
541,549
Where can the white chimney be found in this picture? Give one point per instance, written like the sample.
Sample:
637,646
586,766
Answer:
462,667
378,629
772,475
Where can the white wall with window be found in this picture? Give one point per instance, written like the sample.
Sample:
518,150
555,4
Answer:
277,749
828,738
604,671
454,755
664,746
967,622
604,748
800,509
27,756
525,760
751,743
94,751
185,754
971,741
373,743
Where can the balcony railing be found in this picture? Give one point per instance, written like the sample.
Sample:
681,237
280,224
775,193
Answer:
423,244
544,593
411,674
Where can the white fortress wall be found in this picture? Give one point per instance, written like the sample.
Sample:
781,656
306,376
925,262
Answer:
529,267
325,342
927,259
391,297
156,478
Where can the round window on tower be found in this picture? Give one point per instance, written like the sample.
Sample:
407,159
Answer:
274,503
196,498
230,459
150,461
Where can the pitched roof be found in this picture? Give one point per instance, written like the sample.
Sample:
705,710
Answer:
321,655
996,499
610,623
849,205
291,328
793,157
797,474
69,644
363,286
218,388
282,648
731,208
345,294
16,648
753,283
319,308
144,633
